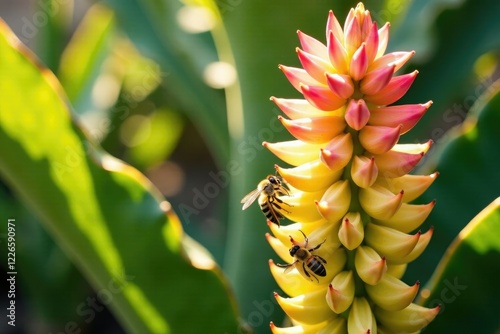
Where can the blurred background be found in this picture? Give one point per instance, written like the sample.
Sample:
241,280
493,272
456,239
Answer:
122,102
181,92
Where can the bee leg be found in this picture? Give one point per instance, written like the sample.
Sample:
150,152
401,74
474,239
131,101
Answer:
318,246
305,238
320,258
279,200
286,266
277,206
276,217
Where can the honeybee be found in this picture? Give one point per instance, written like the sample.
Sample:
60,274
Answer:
267,192
314,263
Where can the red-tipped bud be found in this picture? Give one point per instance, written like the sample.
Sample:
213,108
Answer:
379,139
312,45
383,39
379,202
337,54
357,114
333,26
337,152
315,129
372,42
364,171
376,80
351,232
397,87
340,84
297,76
407,115
322,97
297,108
398,59
359,63
314,65
370,266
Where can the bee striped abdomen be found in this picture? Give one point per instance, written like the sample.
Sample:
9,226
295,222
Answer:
270,206
316,266
270,212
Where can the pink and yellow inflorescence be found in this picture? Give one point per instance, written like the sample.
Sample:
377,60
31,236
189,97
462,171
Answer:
350,186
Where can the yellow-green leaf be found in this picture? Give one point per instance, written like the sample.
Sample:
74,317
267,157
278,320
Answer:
105,215
465,282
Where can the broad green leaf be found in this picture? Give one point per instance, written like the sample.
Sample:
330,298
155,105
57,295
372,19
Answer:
105,215
152,26
467,161
465,282
448,37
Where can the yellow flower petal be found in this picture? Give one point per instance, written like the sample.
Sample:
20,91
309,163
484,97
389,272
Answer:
310,308
422,243
312,176
335,326
299,329
409,217
294,152
351,232
411,319
364,171
369,265
379,202
391,294
338,152
361,318
340,293
396,270
388,242
302,206
314,130
335,201
413,185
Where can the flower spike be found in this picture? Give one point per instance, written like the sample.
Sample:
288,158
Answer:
348,190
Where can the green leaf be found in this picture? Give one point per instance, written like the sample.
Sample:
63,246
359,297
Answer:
465,283
105,215
467,161
153,28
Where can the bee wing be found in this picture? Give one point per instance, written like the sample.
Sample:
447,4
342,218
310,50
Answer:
289,268
250,198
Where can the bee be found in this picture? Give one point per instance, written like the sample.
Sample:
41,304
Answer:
315,264
267,192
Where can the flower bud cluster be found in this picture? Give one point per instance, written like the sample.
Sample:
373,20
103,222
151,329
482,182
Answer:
350,190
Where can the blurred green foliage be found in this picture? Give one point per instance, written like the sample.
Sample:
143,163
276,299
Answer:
137,84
